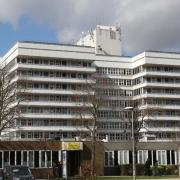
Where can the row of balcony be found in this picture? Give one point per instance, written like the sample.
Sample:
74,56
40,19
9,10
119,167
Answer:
53,79
55,68
81,104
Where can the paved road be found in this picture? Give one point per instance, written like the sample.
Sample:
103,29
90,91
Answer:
162,179
137,179
169,179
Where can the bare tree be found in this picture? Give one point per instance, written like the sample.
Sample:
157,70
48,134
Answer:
90,100
9,101
138,118
93,99
141,117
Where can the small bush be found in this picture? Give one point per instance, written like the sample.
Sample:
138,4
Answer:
86,171
127,169
140,169
162,170
171,170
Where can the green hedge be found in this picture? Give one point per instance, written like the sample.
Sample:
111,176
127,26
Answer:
165,170
126,170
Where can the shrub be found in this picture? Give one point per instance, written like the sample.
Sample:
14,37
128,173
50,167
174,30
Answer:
162,170
140,169
86,171
171,170
126,170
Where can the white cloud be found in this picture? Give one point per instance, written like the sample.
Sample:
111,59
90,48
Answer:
146,25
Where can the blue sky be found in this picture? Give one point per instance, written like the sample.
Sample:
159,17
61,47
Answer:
26,30
146,25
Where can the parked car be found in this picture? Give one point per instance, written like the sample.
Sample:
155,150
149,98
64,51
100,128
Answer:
17,173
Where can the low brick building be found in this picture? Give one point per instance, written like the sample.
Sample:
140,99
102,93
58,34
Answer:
42,156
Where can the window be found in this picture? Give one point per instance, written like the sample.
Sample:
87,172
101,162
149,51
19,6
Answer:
6,158
23,61
142,156
51,62
30,135
126,157
46,62
18,157
12,157
109,158
84,64
73,75
31,162
112,34
1,159
123,157
48,155
64,86
36,85
36,159
64,63
162,157
30,61
120,157
36,61
85,76
51,74
55,157
46,74
25,158
42,158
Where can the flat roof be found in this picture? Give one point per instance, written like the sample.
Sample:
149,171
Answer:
51,43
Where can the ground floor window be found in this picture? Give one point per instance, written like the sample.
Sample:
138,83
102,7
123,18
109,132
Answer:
114,158
24,158
142,156
162,157
123,157
109,158
33,159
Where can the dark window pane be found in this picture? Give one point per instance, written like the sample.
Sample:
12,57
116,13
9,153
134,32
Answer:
36,159
18,157
168,157
154,157
0,159
12,158
130,157
115,158
150,156
54,157
173,157
24,158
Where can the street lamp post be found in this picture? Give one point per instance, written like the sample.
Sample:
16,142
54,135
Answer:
133,139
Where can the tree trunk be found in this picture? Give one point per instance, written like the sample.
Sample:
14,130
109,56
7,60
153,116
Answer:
93,163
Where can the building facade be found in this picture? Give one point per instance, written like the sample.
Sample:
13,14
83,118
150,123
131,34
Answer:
51,79
53,75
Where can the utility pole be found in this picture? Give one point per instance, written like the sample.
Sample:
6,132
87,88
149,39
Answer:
131,109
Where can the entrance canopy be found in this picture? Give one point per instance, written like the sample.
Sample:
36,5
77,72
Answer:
72,146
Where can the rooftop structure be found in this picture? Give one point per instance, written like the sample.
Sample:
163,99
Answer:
105,39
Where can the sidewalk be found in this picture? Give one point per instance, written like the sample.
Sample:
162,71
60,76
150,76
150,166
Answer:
164,179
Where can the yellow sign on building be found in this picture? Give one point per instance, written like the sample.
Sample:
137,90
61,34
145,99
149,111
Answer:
72,146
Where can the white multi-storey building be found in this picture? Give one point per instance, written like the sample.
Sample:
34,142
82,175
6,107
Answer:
54,74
